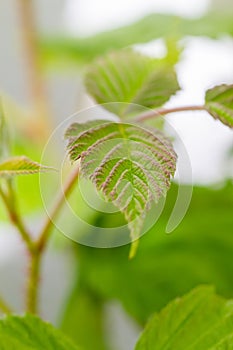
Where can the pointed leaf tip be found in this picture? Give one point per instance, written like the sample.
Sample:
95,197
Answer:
21,165
133,249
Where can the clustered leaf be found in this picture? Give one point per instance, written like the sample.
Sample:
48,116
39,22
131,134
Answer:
219,103
29,332
131,165
127,80
20,166
200,320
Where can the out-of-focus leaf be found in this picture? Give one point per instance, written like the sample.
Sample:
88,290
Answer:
83,321
30,332
131,165
131,79
21,166
24,139
199,251
82,50
200,320
219,103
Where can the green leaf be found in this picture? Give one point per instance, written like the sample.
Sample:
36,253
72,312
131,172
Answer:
67,50
130,164
130,81
21,166
199,251
84,320
199,320
219,103
29,332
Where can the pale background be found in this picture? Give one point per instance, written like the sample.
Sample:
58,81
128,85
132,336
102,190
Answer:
205,63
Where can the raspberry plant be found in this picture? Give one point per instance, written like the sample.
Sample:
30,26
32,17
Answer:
131,161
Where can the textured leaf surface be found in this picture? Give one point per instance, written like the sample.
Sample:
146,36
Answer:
131,165
21,166
198,321
29,332
219,103
131,79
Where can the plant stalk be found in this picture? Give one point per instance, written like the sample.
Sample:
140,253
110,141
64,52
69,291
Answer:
163,111
33,282
36,256
48,224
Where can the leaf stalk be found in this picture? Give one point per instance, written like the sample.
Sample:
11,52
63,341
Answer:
164,111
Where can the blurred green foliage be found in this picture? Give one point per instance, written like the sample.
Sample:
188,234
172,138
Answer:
200,320
199,251
133,80
84,319
30,332
166,266
66,50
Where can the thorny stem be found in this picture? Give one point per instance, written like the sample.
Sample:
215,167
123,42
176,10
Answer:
36,249
48,224
37,87
33,282
9,201
36,257
163,111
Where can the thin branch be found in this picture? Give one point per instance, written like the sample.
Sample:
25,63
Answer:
34,277
48,224
9,201
4,307
163,111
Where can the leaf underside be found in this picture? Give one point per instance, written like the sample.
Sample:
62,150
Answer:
200,320
127,81
131,165
219,103
21,166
